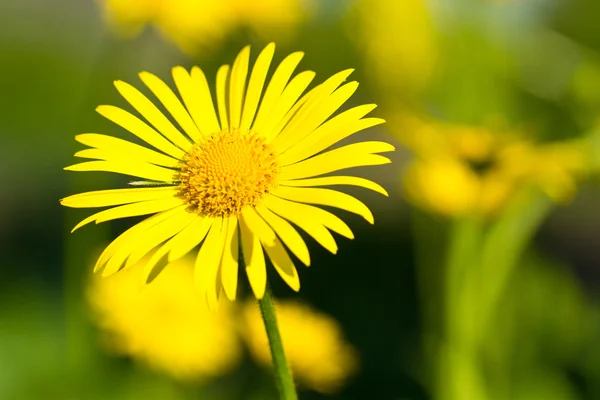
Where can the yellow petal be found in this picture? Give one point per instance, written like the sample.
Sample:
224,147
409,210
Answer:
273,246
150,271
131,210
140,129
196,96
129,245
292,112
132,168
222,75
116,261
312,220
111,155
339,127
286,232
152,114
190,237
206,270
288,98
286,208
114,197
254,259
158,234
325,100
352,155
229,262
112,144
256,84
325,197
208,112
239,72
337,180
278,82
130,234
172,103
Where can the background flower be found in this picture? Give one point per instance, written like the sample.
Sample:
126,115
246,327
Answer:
166,325
460,170
399,43
318,354
196,25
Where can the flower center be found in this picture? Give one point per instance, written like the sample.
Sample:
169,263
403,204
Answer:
226,172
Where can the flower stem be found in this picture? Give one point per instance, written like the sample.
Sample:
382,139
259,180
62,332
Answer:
283,375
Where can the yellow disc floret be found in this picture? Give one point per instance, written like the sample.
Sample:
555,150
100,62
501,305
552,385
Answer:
226,172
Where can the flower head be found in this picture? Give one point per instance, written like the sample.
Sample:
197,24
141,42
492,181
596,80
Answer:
320,358
235,175
166,325
471,170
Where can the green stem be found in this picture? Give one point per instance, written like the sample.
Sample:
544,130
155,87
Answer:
465,237
503,247
283,375
459,376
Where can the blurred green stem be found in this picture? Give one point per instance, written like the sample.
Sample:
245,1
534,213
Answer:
459,376
283,375
503,246
461,269
480,263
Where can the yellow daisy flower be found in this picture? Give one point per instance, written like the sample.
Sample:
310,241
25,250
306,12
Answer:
320,358
166,325
237,174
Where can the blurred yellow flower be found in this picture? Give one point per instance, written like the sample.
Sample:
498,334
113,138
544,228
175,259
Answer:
319,356
553,167
197,24
166,325
429,181
471,170
398,40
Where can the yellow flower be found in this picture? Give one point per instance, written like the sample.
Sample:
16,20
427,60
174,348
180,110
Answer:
169,327
470,170
197,24
399,42
319,356
166,325
553,167
444,185
239,173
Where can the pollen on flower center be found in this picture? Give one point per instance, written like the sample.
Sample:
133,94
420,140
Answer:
226,172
